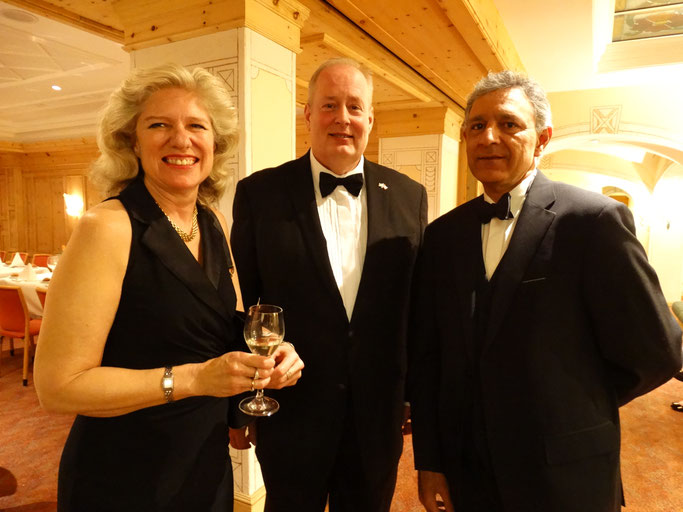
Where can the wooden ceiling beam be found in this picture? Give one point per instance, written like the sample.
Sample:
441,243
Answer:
481,26
452,43
418,121
56,13
155,22
325,19
415,34
366,59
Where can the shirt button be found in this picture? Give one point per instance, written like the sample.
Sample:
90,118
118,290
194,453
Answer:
351,333
341,387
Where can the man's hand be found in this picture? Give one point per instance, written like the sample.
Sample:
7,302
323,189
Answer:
288,367
431,484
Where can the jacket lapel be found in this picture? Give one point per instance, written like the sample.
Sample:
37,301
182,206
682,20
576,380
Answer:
532,226
378,204
378,210
469,233
163,241
303,199
216,257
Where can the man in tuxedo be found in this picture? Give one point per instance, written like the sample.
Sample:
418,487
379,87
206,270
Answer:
333,238
535,319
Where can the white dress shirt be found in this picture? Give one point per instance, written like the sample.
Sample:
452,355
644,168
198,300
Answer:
344,220
496,235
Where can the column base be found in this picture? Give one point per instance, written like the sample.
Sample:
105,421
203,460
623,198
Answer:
254,503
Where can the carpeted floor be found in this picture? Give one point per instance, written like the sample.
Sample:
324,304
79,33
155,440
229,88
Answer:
31,442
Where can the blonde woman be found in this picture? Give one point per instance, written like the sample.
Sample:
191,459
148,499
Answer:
138,337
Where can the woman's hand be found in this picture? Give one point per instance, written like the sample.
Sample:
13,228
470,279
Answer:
233,373
288,366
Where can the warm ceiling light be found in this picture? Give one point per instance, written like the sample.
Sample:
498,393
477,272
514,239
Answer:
74,205
56,88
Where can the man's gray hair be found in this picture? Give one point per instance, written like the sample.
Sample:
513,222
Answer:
339,61
507,80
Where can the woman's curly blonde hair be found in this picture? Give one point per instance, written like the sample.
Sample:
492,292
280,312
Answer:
117,164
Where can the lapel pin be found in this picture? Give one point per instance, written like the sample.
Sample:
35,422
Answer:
383,186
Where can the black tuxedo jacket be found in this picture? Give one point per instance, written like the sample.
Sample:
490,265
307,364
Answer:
578,326
281,257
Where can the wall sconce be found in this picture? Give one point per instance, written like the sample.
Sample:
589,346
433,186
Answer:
74,205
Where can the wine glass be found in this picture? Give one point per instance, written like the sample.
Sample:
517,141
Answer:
52,261
264,330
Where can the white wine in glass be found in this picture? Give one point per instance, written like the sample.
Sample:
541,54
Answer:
264,330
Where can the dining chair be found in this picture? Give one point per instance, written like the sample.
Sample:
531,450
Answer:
41,292
15,322
40,260
22,255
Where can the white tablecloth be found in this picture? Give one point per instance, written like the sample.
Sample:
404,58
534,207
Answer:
6,271
28,288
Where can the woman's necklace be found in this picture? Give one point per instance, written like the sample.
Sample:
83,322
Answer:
185,237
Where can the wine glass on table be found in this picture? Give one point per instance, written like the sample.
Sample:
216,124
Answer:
264,330
52,262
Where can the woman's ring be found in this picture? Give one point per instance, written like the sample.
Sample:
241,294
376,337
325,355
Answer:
287,375
252,385
255,375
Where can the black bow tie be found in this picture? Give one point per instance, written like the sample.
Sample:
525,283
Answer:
500,210
352,183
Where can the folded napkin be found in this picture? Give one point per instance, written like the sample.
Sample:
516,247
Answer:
28,274
17,261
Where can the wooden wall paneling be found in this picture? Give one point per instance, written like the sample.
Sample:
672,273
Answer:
37,199
8,239
48,227
9,165
39,193
33,179
19,217
56,233
30,199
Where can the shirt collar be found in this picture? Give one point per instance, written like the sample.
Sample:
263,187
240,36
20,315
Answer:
517,194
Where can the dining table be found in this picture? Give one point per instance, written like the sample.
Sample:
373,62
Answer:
12,276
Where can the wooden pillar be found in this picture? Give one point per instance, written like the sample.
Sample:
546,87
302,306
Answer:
425,145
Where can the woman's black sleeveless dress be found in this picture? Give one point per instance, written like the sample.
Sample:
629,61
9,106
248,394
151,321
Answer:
172,457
